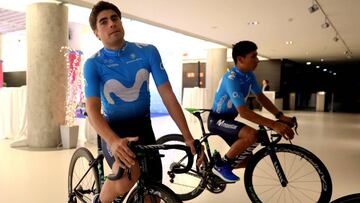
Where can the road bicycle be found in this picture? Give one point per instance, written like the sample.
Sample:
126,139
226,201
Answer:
277,172
86,175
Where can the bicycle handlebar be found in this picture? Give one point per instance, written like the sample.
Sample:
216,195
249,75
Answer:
138,149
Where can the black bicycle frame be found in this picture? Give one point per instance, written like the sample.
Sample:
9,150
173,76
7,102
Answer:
265,141
100,162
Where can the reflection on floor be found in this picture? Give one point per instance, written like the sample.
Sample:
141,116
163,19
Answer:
34,176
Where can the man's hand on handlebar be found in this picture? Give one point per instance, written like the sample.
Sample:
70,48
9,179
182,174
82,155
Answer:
284,130
290,121
193,144
122,152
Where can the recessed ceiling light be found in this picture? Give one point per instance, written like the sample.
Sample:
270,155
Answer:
334,73
324,69
317,66
253,23
321,60
288,42
308,63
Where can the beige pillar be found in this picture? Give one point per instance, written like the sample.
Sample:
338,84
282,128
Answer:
47,32
215,68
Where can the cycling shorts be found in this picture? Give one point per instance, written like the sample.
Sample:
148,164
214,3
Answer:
225,126
133,128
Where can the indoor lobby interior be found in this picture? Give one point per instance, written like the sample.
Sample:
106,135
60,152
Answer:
309,50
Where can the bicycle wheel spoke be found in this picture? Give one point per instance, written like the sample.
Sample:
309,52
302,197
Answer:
307,174
292,195
301,191
271,196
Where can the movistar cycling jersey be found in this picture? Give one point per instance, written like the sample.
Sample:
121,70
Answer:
121,79
233,89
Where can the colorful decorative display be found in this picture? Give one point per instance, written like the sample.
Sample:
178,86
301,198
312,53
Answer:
74,93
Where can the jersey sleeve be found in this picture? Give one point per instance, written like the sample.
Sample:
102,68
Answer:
91,79
234,92
157,69
255,88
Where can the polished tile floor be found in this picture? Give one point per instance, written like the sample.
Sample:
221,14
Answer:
34,176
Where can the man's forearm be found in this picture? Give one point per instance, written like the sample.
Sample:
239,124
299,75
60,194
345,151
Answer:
267,104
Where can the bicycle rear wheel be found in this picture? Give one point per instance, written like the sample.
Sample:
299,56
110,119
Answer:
83,181
308,178
156,192
186,185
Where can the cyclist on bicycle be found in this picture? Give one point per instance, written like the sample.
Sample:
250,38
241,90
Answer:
229,101
118,98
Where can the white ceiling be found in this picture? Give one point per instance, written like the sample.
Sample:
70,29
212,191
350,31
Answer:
226,22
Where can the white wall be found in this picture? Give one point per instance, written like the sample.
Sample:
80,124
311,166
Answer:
13,51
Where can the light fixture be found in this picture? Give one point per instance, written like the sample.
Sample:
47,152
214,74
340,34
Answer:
308,63
348,54
316,6
317,66
325,24
253,23
288,42
313,8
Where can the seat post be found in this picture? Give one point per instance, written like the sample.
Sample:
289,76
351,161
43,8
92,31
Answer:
198,115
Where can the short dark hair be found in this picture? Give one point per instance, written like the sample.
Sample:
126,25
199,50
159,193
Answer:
98,7
242,48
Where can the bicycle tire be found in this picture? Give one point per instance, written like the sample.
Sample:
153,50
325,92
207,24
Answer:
90,185
256,177
186,185
156,190
352,198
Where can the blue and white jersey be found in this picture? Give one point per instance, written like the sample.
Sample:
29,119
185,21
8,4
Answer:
121,79
233,89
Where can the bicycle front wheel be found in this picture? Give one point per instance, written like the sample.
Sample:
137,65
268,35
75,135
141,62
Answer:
83,181
186,185
308,178
154,193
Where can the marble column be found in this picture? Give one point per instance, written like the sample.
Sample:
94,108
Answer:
215,68
47,32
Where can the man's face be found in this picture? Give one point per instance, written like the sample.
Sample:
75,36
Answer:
249,62
109,28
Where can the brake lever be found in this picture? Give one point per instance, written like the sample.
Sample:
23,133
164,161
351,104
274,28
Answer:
294,121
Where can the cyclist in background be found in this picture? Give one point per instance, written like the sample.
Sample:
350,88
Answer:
229,101
118,98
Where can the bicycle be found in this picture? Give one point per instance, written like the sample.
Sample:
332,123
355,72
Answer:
277,172
86,175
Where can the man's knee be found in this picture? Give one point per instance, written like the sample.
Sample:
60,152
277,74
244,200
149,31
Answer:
249,135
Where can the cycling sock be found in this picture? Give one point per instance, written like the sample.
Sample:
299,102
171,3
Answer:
228,160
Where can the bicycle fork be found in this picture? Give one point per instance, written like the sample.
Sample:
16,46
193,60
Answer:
278,168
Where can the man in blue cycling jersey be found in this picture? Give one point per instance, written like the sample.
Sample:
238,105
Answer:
230,97
118,98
